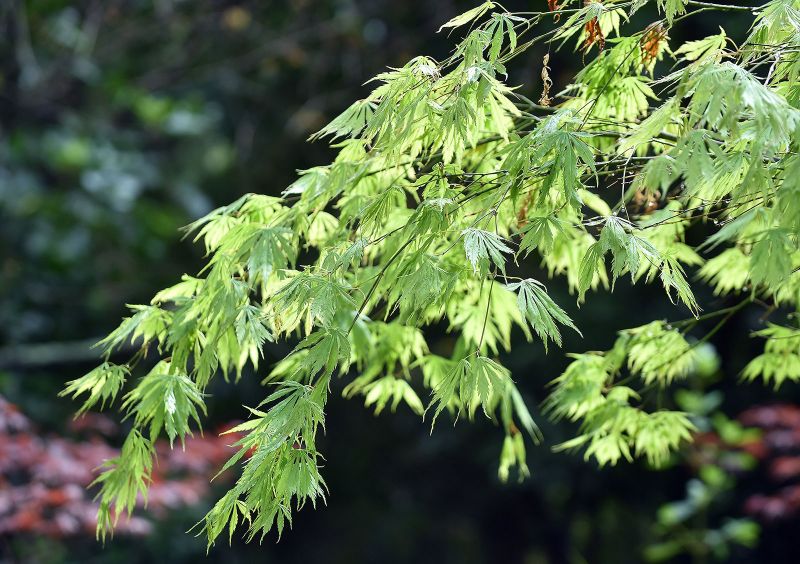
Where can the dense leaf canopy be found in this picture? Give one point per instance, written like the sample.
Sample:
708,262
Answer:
445,181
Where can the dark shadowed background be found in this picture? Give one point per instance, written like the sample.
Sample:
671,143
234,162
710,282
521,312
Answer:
123,120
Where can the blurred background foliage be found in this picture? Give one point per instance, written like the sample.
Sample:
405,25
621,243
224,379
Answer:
123,120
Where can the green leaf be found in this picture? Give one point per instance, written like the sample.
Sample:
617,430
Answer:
590,268
660,434
770,259
541,233
704,49
541,311
673,277
481,382
165,399
650,128
326,350
468,16
781,358
380,392
349,123
672,8
102,384
660,354
482,246
282,468
122,480
148,323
